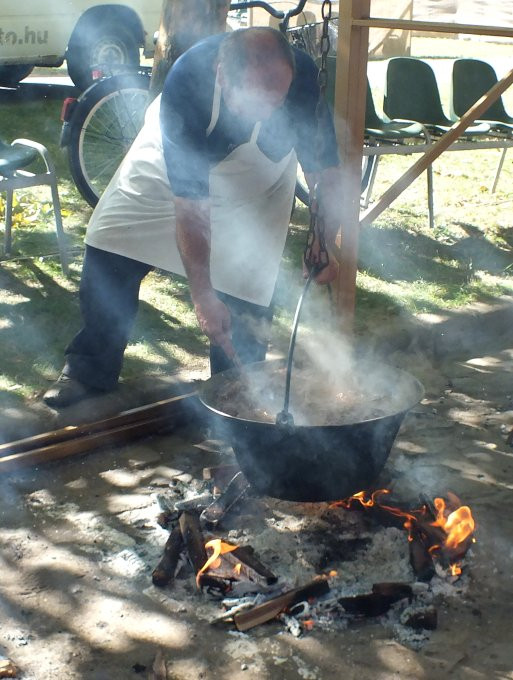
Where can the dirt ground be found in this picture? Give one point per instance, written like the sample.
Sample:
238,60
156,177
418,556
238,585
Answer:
79,539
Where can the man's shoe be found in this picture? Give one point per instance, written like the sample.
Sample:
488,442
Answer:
66,391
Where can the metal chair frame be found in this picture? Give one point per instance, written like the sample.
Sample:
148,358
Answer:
22,179
471,79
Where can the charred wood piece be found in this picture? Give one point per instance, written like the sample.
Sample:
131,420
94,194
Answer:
197,503
166,518
272,608
220,476
165,570
250,565
429,505
420,558
215,585
216,511
422,619
383,596
393,589
193,539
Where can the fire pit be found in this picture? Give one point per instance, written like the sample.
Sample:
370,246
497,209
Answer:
317,565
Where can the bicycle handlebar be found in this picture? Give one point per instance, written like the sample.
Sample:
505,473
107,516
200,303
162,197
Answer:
276,13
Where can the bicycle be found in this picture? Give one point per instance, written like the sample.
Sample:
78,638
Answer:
99,127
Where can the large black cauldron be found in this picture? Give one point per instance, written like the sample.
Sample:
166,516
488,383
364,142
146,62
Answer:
313,463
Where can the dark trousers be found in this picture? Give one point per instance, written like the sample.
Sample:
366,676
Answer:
109,299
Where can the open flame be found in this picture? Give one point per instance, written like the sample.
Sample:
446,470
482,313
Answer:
451,517
458,524
218,548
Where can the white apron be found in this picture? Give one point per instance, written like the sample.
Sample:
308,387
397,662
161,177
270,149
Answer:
251,198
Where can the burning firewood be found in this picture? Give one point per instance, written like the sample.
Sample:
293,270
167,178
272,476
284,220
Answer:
272,608
215,585
216,511
441,529
250,566
165,570
421,559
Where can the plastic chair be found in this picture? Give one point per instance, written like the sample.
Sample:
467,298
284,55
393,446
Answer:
14,158
383,131
412,93
471,79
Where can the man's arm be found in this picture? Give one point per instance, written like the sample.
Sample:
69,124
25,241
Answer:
193,240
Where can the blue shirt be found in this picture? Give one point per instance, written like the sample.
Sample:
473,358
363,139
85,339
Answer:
186,110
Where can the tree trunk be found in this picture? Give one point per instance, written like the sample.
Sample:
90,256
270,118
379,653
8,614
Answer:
181,25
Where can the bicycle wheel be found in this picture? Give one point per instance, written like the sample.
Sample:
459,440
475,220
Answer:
105,122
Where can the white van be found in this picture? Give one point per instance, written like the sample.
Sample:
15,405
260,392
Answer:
84,32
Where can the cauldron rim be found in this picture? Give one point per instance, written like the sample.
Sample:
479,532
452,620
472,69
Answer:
208,385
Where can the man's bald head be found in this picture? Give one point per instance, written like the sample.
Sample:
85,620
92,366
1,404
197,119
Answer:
256,68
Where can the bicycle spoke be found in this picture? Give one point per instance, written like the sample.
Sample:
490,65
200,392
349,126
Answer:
107,134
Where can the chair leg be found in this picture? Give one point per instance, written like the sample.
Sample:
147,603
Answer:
370,185
431,208
499,169
8,222
61,237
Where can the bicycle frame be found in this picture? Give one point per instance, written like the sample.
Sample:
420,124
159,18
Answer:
276,13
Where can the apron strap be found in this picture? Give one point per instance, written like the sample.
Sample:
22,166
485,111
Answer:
256,132
216,104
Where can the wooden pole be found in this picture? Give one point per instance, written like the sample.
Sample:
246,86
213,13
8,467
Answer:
434,27
350,95
438,147
74,440
181,25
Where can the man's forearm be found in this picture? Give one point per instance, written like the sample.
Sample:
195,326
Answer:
329,196
193,241
331,207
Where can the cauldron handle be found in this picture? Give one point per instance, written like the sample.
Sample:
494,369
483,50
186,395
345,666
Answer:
285,418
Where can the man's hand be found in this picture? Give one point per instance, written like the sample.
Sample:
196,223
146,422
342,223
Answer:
329,273
215,321
326,275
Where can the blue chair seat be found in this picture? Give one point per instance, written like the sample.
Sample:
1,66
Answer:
15,157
